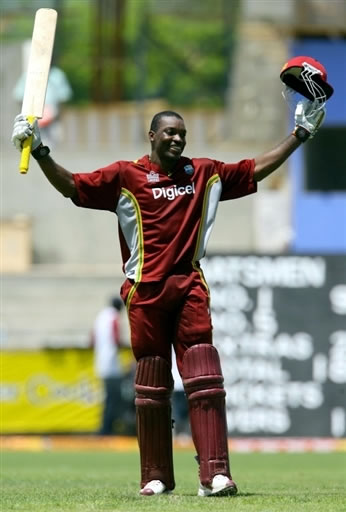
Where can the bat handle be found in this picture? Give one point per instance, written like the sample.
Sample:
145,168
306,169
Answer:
25,156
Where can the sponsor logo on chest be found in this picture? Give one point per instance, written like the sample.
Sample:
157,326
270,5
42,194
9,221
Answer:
171,193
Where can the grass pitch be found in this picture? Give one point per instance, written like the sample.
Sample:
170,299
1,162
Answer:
108,482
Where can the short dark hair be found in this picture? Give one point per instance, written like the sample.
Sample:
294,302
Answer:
116,303
157,118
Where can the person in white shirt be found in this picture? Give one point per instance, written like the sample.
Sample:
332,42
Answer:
106,341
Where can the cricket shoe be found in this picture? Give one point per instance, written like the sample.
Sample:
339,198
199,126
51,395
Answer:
154,487
220,486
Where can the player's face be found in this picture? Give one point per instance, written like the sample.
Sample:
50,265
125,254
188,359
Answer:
168,142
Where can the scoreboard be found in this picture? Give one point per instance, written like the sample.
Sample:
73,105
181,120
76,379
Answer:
279,324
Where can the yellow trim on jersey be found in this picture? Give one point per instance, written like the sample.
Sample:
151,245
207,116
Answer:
209,184
129,297
128,304
134,201
201,274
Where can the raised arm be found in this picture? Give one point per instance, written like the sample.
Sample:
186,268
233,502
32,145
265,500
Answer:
269,161
306,125
60,178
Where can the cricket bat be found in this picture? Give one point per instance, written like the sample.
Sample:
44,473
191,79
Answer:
40,57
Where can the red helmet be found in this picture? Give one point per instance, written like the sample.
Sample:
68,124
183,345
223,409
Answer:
308,77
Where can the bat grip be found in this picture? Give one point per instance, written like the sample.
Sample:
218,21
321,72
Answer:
26,151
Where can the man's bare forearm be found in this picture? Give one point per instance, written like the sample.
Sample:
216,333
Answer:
271,160
60,178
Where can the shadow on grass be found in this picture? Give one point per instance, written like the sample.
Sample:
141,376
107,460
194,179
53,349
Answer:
220,496
247,494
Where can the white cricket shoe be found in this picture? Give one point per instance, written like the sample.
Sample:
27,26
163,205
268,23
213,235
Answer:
153,487
220,486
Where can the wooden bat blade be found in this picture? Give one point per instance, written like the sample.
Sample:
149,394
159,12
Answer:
40,57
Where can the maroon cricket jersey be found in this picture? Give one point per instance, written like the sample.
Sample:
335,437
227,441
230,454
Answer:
164,220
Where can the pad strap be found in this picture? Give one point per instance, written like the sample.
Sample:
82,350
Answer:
203,383
153,386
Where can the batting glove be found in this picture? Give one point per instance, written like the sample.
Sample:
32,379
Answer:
307,117
22,129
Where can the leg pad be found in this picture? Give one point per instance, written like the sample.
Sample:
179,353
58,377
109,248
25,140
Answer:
203,383
153,386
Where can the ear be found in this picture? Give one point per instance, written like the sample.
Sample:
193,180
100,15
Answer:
151,135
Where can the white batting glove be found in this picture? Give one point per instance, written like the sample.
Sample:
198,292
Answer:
22,129
308,117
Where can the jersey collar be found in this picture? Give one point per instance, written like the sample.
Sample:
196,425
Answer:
147,164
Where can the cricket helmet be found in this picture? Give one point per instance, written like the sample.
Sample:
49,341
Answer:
308,77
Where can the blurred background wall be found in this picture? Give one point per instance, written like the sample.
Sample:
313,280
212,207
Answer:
217,63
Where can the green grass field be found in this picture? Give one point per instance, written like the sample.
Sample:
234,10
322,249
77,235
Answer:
89,481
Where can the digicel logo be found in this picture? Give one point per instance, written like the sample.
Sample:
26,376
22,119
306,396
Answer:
172,192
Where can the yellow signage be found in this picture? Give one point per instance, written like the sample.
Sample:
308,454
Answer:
50,391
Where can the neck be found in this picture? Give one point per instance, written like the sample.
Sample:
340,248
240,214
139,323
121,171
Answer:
167,166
